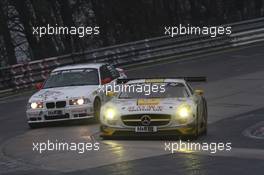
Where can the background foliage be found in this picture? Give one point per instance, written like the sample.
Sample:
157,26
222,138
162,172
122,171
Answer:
119,20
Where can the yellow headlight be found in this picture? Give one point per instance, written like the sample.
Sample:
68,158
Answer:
184,111
110,113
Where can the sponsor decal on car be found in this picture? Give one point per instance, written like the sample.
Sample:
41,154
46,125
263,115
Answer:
48,93
152,101
145,108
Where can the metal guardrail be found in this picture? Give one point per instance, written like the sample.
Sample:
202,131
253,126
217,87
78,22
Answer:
22,76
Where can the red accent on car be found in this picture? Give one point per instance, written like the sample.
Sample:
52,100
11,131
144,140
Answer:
39,86
106,80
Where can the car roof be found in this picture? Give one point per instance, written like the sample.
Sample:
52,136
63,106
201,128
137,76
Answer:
80,66
156,81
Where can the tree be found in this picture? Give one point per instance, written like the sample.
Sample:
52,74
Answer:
4,30
25,17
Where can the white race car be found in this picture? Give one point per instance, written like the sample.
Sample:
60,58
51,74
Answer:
176,111
71,92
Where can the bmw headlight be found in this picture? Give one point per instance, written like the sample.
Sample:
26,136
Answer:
35,105
79,101
184,111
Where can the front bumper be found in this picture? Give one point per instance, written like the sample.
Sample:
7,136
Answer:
183,130
67,113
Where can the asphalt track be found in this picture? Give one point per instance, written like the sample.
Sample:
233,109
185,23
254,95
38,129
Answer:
235,94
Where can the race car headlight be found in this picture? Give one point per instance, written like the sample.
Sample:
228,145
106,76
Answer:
35,105
79,101
184,111
110,114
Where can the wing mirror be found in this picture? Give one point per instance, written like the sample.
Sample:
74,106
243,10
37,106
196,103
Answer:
199,92
106,80
39,86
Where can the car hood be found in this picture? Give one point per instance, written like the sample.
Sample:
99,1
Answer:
63,93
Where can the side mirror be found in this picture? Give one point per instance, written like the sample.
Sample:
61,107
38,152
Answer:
199,92
106,80
111,94
39,86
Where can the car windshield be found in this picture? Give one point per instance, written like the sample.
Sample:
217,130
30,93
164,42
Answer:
75,77
171,90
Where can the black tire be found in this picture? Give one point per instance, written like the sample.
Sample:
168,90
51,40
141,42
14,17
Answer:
97,107
196,134
205,115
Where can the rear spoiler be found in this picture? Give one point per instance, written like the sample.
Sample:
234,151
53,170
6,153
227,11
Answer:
161,79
